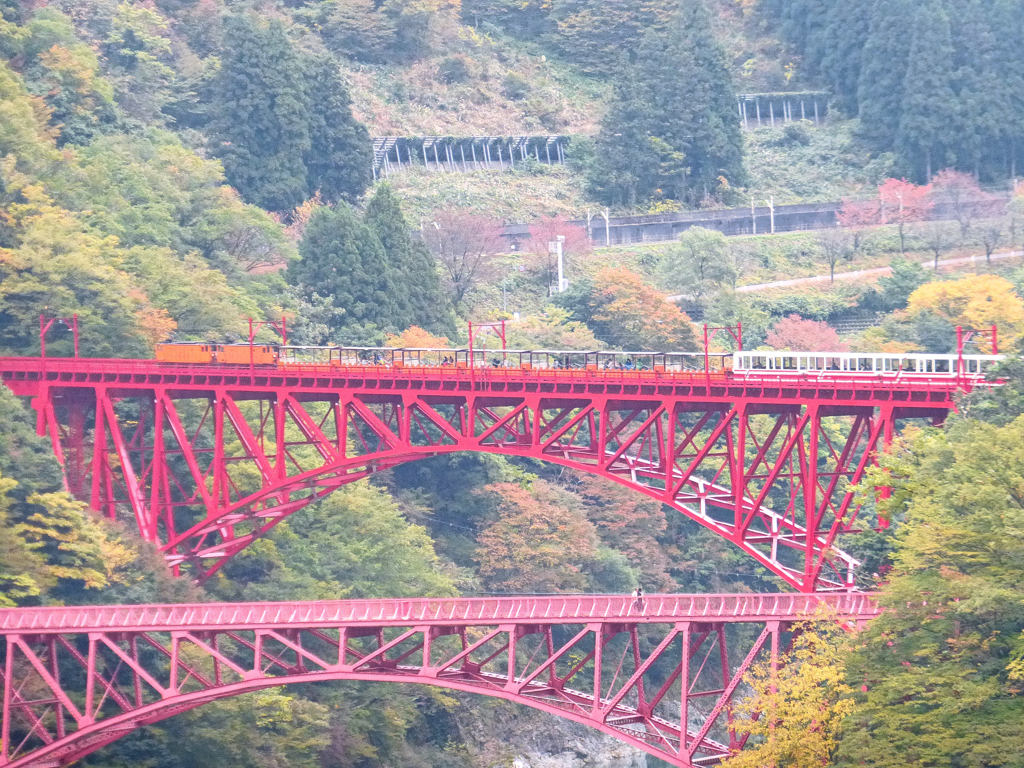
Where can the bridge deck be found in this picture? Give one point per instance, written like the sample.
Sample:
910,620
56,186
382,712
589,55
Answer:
24,375
436,612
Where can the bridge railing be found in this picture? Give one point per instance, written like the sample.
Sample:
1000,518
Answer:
476,610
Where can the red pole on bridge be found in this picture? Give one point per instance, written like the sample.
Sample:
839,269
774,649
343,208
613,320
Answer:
45,326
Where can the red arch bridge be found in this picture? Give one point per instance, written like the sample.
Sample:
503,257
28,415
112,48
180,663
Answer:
206,458
659,676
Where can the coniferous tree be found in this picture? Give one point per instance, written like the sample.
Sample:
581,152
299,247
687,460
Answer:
342,259
340,156
1008,23
846,30
672,126
883,73
260,125
926,133
984,101
418,298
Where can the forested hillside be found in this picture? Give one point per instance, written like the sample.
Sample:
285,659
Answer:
171,168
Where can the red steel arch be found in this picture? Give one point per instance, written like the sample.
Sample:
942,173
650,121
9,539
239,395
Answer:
205,458
78,678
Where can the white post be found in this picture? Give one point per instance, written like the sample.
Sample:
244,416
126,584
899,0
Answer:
555,247
607,228
770,202
753,215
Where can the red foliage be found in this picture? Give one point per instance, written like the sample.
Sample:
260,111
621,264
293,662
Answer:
800,335
546,229
902,201
859,213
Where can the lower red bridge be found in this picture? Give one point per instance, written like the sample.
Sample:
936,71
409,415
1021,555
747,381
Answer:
658,674
204,459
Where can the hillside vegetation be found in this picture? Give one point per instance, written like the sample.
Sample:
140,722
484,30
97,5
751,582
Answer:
171,168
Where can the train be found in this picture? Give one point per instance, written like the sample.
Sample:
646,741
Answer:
736,364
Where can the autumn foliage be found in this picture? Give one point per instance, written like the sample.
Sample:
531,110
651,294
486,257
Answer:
540,541
801,335
416,338
975,301
629,314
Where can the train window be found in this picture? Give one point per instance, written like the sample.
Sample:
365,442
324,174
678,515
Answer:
942,365
865,364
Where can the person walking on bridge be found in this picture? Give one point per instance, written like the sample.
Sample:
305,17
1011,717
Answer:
638,600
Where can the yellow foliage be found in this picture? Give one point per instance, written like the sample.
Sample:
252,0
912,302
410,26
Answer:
796,711
974,301
415,337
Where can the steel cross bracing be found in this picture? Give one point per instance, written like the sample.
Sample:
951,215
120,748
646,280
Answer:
205,459
78,678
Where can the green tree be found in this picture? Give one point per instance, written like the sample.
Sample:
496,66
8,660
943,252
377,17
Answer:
139,62
883,72
846,29
352,544
264,729
64,72
340,156
672,128
926,133
698,264
935,667
23,577
600,36
342,259
988,90
59,265
260,127
417,293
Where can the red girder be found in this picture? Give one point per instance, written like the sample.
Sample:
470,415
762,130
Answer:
77,678
207,458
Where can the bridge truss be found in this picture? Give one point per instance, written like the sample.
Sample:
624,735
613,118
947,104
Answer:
205,459
658,675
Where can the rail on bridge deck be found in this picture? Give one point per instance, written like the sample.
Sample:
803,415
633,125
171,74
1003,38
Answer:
206,458
78,678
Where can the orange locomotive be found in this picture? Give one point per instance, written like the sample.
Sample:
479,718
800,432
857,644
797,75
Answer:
227,354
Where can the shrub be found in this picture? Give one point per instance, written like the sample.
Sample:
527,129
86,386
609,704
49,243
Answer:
453,69
515,86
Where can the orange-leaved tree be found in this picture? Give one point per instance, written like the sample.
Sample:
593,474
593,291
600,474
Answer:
415,337
630,523
627,313
540,542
